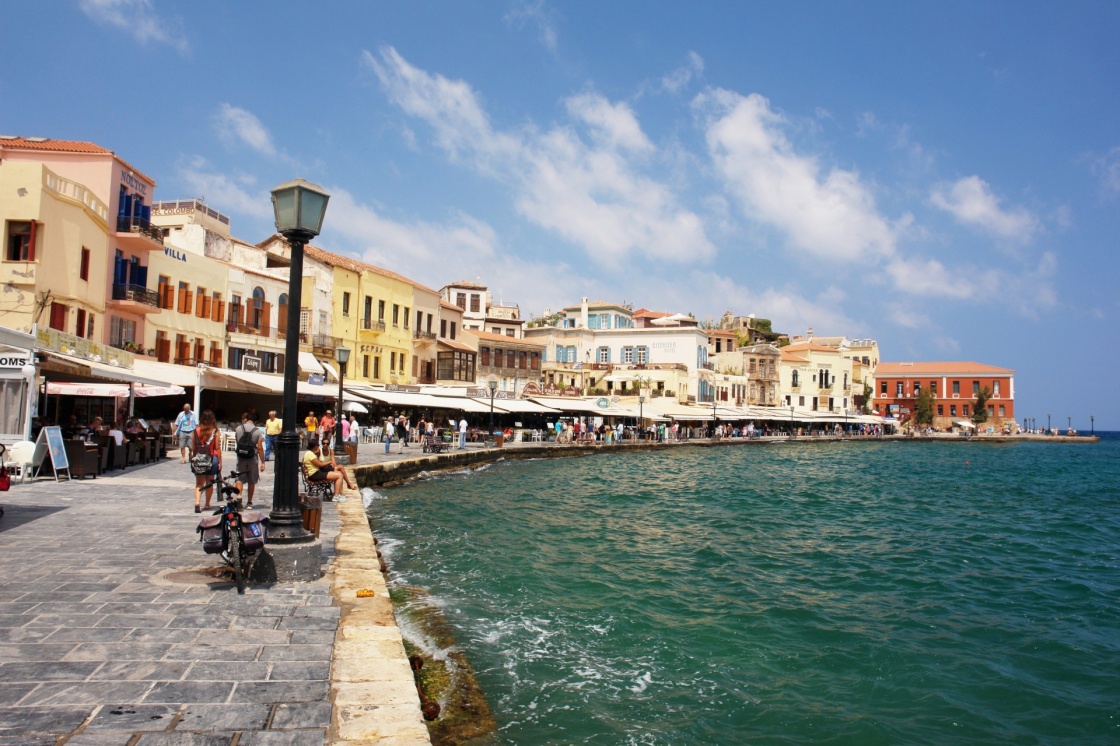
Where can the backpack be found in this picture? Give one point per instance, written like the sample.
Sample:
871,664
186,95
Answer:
245,446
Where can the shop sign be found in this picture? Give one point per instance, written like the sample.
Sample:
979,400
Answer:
402,387
251,362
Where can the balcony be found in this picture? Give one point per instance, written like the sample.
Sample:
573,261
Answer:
139,234
324,343
260,332
426,338
135,299
371,326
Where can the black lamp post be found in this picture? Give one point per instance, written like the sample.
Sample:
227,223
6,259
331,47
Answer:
492,385
342,355
642,419
791,422
1092,431
1047,423
299,206
1069,424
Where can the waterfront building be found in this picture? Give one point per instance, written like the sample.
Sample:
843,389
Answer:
954,386
480,313
759,365
596,348
512,362
751,330
77,205
456,361
815,378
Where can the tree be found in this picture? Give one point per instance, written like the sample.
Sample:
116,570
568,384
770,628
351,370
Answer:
923,408
867,391
980,405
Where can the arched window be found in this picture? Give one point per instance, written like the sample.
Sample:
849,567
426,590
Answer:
282,315
256,308
796,379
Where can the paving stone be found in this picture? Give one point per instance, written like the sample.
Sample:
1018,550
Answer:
281,691
160,635
296,653
190,691
87,634
86,693
40,671
224,670
36,721
109,651
11,694
34,652
213,652
301,715
312,637
283,738
132,718
186,739
300,671
224,717
141,671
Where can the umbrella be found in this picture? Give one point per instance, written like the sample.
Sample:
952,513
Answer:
353,406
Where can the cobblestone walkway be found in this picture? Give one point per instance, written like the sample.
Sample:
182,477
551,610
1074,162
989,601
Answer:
116,628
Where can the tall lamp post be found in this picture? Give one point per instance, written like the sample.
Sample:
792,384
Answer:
1047,423
342,355
715,419
299,206
791,422
1069,424
1092,431
492,385
642,418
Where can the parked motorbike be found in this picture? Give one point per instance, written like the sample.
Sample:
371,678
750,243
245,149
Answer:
235,535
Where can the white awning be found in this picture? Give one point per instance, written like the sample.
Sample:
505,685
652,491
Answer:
965,424
259,383
521,406
331,370
308,363
99,370
169,373
115,390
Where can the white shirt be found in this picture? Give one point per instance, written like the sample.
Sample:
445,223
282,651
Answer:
462,425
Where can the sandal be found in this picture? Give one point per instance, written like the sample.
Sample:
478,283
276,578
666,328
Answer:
197,509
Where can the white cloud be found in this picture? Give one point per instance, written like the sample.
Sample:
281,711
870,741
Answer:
590,191
239,194
138,18
824,215
238,124
929,277
1107,169
536,14
971,202
683,75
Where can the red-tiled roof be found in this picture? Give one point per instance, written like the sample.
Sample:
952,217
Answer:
489,337
46,144
950,368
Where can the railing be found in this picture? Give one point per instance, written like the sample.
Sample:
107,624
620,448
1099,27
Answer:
325,342
137,293
127,224
430,336
268,332
369,325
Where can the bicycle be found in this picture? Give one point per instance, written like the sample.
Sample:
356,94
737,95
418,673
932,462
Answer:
235,535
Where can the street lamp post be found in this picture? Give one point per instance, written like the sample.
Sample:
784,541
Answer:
1092,431
492,385
342,355
642,419
1069,424
1047,423
299,207
791,422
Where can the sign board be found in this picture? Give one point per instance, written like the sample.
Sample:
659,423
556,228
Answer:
251,362
50,442
315,379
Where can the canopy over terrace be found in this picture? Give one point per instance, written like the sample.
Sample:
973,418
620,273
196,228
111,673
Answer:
592,406
115,390
415,400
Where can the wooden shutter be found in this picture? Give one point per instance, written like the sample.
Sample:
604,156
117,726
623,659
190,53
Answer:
266,318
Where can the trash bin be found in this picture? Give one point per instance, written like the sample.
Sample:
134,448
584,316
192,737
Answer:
311,511
351,451
499,441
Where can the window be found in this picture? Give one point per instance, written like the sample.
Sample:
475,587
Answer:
406,315
429,329
83,267
940,410
882,388
461,300
89,327
917,388
627,354
186,298
346,304
453,330
995,388
956,388
59,312
952,410
443,327
377,367
392,361
643,355
420,321
365,366
400,359
603,355
235,309
80,323
1002,411
381,311
523,360
396,315
796,380
975,388
121,331
475,303
898,388
511,359
484,352
933,388
964,409
21,241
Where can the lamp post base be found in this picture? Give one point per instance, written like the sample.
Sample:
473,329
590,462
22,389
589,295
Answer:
286,519
287,563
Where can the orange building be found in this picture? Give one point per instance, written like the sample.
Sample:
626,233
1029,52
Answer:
954,386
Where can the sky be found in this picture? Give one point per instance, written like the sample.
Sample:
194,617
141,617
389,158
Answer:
941,177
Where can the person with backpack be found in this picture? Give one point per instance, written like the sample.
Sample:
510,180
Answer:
206,458
250,455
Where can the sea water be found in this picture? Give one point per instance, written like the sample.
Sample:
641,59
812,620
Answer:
850,593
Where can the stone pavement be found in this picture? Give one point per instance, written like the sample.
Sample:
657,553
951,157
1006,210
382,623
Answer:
116,628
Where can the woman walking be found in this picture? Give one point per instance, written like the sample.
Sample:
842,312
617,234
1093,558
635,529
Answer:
204,442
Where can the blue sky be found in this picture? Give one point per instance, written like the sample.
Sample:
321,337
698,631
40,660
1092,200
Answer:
944,178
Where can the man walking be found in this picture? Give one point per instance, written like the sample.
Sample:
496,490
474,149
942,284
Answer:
185,424
462,433
250,455
272,427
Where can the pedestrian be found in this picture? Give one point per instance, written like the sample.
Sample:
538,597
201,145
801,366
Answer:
185,425
250,455
354,429
402,433
319,469
326,428
390,428
272,428
344,424
205,441
311,423
462,433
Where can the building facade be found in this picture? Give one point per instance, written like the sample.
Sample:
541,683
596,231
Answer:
954,387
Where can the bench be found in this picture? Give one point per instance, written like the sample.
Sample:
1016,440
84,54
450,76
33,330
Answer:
433,444
323,490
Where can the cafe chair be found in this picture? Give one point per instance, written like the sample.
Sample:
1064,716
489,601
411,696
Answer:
17,460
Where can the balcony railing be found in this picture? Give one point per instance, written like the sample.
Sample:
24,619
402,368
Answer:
268,332
369,325
137,293
325,342
127,224
430,336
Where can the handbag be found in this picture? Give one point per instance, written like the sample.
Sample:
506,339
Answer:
202,463
5,477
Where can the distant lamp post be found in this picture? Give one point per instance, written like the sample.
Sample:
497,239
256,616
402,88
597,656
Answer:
791,422
492,385
299,207
1069,424
641,418
1047,423
342,355
1092,431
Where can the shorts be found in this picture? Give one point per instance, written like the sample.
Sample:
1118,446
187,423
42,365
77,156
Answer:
321,475
185,439
248,471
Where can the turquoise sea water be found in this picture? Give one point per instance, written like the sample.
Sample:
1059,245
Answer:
846,593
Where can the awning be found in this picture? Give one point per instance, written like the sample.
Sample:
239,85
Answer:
521,406
259,383
675,411
415,400
115,390
169,373
331,370
964,424
83,367
308,363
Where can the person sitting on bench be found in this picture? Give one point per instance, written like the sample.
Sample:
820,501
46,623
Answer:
319,469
